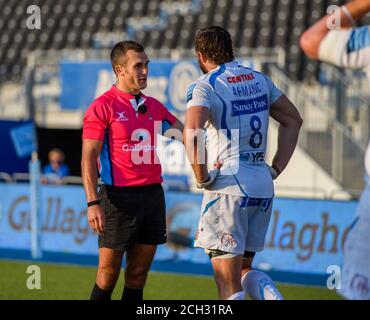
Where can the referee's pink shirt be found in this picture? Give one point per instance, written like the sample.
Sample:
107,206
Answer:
113,119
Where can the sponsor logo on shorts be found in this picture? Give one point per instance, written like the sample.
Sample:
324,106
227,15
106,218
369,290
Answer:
228,240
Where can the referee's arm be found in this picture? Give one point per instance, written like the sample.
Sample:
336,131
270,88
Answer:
174,131
90,152
178,126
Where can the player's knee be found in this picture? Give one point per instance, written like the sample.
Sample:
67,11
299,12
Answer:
136,277
107,276
224,279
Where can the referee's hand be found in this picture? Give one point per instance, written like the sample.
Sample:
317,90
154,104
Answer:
96,218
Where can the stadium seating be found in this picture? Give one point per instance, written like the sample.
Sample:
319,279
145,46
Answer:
76,24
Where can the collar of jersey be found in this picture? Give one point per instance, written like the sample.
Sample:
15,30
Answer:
232,64
127,95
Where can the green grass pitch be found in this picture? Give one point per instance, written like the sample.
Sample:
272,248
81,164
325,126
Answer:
70,282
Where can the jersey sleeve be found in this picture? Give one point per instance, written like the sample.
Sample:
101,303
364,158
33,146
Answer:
96,120
275,93
347,48
199,94
168,119
166,115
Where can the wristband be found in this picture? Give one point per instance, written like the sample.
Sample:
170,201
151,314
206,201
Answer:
93,203
278,171
348,14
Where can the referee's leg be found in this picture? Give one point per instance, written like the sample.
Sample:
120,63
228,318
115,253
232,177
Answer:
138,261
108,273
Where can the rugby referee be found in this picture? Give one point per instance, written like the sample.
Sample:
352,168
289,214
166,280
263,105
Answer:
119,143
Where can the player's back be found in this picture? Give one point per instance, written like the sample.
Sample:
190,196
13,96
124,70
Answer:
239,100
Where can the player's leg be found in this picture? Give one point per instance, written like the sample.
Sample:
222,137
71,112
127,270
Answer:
226,269
222,232
257,284
138,262
108,272
247,262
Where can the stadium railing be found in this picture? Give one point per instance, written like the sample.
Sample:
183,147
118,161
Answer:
281,191
350,91
337,194
5,177
21,177
301,192
72,180
322,136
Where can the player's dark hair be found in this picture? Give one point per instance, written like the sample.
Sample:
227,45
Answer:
215,44
118,53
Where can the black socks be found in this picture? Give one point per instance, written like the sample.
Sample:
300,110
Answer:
100,294
132,295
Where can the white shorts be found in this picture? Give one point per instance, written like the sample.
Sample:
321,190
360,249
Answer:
233,224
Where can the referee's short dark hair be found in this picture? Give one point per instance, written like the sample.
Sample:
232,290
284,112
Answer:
215,44
118,53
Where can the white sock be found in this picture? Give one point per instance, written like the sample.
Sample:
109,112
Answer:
237,296
259,286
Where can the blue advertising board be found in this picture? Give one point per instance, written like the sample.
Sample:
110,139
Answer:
304,236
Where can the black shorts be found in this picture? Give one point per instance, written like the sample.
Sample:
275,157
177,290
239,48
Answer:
133,215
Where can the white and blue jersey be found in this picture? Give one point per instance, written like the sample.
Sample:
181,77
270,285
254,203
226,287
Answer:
239,101
349,48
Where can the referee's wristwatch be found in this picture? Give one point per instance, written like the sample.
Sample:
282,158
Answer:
93,203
